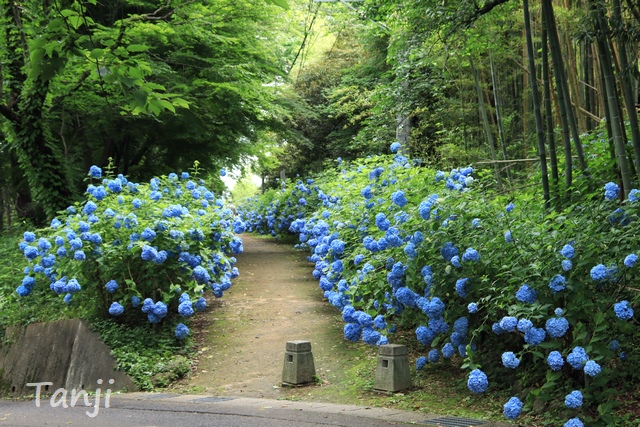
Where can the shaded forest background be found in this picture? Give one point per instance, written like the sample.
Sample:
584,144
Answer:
280,89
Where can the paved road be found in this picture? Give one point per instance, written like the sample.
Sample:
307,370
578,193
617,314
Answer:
172,410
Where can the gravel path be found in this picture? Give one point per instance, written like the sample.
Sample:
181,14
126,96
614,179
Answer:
243,335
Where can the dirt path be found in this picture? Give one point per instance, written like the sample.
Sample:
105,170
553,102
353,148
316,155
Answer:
243,337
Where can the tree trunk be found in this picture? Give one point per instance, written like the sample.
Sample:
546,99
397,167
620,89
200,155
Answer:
627,89
496,97
611,95
548,111
536,105
485,122
568,163
45,172
561,80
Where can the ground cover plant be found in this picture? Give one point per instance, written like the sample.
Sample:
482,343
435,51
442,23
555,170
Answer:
134,256
509,291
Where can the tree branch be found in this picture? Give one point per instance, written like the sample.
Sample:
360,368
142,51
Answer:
8,113
478,12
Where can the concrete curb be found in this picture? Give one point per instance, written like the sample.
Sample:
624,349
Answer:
239,403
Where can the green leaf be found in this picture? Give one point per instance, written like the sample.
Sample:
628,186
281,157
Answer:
167,105
282,3
96,53
137,48
76,21
140,97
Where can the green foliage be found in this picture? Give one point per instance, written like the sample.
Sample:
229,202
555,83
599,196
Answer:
529,254
164,242
152,362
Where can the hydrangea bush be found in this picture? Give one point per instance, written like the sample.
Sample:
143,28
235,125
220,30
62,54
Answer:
137,251
503,288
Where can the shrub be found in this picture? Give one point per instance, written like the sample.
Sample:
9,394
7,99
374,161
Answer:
137,252
435,252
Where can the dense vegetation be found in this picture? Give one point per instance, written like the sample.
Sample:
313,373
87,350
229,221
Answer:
535,102
534,301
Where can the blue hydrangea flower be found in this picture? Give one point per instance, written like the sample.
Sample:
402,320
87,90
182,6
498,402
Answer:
566,265
89,208
95,172
448,351
508,237
509,360
406,296
236,245
611,191
201,304
592,368
558,311
337,246
577,358
555,360
557,327
435,308
558,283
508,323
455,261
574,422
185,309
182,331
567,251
526,294
510,207
23,291
573,400
448,251
379,322
79,255
599,272
472,308
471,255
394,147
535,336
512,408
634,195
614,345
382,222
461,287
433,355
421,362
358,259
352,332
111,286
630,260
366,192
399,198
149,253
478,381
623,310
475,223
135,301
201,274
425,335
116,309
370,336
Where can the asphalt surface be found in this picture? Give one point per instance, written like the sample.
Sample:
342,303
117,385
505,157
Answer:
175,410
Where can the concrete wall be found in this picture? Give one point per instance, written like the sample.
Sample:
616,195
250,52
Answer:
66,353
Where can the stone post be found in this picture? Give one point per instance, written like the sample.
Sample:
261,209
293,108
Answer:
392,373
298,363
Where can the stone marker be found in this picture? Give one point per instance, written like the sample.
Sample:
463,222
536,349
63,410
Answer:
298,363
392,373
